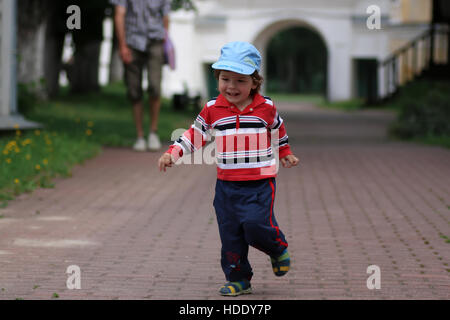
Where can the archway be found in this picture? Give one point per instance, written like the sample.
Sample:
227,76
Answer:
295,57
296,62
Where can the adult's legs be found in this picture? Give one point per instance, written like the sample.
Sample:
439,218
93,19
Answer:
133,80
138,116
155,64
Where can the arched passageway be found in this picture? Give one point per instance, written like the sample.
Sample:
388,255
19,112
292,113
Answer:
295,58
296,62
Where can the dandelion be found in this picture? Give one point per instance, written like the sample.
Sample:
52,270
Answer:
8,161
16,181
37,132
17,150
26,142
5,152
37,167
45,162
88,132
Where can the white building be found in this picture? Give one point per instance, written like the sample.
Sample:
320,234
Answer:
341,24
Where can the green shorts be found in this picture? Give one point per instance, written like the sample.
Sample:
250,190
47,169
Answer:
153,60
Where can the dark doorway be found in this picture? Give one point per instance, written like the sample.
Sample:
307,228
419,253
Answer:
367,80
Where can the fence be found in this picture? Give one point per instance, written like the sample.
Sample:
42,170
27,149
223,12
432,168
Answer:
405,64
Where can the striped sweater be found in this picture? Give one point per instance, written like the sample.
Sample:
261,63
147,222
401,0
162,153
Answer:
243,138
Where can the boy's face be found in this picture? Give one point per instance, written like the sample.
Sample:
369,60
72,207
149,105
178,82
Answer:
236,87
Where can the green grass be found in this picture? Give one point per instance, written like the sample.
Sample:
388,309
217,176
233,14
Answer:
320,101
447,239
75,129
292,97
107,114
344,105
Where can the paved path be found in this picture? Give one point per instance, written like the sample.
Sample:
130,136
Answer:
357,200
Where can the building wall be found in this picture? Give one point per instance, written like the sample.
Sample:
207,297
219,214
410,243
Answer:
341,24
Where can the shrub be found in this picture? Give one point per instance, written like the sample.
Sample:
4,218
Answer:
424,117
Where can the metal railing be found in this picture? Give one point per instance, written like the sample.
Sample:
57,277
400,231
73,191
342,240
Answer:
410,61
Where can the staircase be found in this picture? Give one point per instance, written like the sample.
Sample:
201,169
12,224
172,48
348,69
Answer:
425,56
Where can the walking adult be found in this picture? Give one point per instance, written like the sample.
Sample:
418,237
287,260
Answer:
141,26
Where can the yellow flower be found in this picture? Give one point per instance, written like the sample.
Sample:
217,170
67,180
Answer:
16,126
8,161
28,157
17,150
45,162
18,133
88,132
5,152
16,181
48,142
37,167
26,142
90,124
37,132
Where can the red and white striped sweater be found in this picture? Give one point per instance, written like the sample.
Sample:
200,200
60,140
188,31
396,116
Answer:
243,138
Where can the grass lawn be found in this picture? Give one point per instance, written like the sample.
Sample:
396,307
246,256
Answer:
320,101
75,129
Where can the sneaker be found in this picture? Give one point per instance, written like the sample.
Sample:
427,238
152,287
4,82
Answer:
233,289
153,142
140,145
281,264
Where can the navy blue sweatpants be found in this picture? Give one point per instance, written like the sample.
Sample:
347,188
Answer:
245,215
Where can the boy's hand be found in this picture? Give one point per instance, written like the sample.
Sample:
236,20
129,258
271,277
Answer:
289,161
165,161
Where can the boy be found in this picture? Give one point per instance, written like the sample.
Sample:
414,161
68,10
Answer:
243,122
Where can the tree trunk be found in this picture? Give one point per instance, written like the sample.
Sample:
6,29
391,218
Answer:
31,43
83,71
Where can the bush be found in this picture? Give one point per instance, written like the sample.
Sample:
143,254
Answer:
428,116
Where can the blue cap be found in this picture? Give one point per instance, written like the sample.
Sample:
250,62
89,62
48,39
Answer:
239,57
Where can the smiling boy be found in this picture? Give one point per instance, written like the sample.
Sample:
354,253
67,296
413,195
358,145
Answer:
244,123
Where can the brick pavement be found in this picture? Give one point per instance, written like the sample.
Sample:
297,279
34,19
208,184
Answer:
357,200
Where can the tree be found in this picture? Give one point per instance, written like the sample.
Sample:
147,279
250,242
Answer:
31,18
